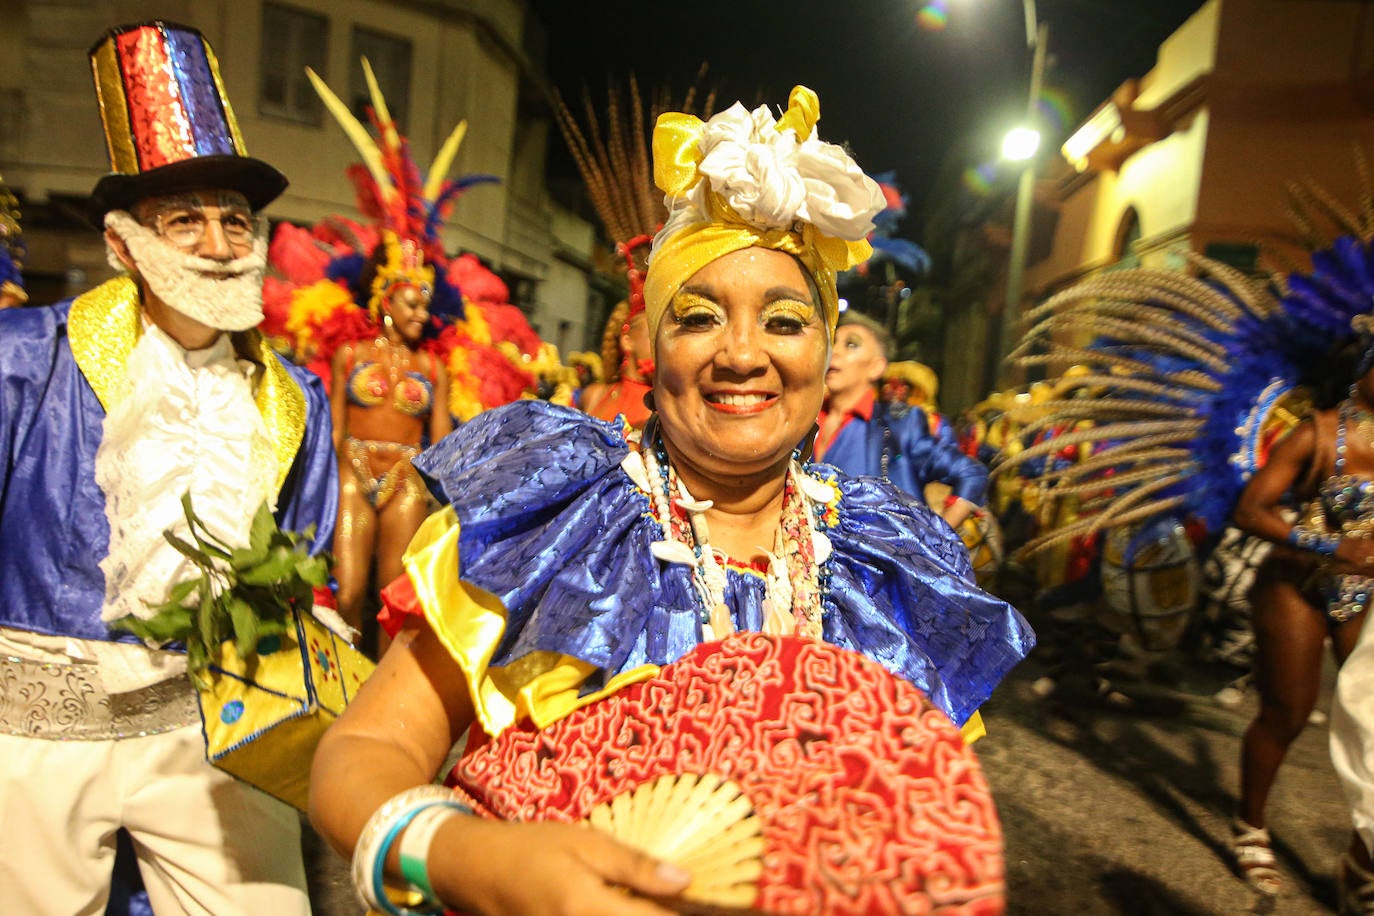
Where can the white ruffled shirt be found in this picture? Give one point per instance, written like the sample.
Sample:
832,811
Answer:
188,423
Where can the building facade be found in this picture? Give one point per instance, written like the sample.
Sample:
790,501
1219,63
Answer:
1245,98
436,61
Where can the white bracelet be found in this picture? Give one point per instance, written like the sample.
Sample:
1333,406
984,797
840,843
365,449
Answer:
371,842
417,839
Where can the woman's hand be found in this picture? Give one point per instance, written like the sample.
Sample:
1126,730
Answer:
1355,555
498,868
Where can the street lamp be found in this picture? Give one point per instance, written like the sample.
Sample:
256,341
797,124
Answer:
1021,145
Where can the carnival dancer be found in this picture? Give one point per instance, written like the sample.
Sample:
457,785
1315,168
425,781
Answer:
624,346
407,339
112,406
571,562
1201,386
387,397
863,436
1315,584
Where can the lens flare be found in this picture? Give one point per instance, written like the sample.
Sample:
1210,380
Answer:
979,178
933,17
1057,111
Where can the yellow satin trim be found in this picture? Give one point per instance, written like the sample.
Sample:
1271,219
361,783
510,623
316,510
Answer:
973,728
676,259
280,401
114,109
470,622
103,328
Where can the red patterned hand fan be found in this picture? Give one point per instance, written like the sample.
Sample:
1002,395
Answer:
790,777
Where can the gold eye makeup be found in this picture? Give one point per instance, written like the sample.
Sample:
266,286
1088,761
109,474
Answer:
789,310
692,308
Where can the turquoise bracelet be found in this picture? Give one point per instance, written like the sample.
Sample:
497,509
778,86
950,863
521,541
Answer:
415,843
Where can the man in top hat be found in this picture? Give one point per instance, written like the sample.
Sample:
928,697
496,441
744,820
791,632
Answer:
112,406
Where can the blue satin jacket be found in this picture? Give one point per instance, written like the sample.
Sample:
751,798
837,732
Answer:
914,456
59,365
552,525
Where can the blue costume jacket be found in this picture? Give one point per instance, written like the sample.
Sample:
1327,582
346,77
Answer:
914,456
59,366
553,526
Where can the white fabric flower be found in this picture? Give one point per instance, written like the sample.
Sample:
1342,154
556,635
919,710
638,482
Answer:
772,180
840,199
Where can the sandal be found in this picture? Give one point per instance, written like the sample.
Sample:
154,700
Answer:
1255,857
1354,889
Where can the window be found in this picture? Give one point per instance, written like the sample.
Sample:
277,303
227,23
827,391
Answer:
1243,256
1127,234
292,40
389,57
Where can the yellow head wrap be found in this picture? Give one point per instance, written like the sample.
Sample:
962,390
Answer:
808,198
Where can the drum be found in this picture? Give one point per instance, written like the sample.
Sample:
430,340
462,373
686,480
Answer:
1150,582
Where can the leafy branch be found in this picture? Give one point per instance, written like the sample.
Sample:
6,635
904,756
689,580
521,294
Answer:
241,593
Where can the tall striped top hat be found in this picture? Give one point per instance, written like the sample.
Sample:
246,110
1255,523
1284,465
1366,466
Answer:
168,122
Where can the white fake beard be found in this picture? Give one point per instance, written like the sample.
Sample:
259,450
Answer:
225,295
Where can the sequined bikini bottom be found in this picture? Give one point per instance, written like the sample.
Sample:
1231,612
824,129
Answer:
400,477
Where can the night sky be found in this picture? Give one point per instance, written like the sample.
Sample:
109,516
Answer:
904,96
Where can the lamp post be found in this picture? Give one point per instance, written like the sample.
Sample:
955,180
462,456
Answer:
1018,144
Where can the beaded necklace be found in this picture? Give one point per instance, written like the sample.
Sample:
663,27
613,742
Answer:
1364,422
797,576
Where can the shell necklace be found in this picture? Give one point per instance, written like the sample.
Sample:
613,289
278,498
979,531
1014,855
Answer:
797,576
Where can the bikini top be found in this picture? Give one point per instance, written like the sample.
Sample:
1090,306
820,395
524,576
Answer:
1346,498
369,385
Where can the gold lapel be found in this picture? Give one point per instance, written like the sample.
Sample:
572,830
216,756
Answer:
104,326
280,401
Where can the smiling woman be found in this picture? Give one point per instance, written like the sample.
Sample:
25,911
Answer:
578,576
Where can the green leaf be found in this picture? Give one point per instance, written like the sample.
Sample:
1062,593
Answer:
181,591
280,563
274,626
197,659
205,616
260,535
205,539
314,570
169,624
201,532
190,551
246,630
243,557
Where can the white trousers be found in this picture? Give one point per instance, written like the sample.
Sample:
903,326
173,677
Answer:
206,843
1352,733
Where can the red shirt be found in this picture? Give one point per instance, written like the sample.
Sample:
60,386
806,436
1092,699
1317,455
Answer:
863,410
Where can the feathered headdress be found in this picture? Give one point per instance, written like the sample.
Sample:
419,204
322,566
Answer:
615,166
1187,380
11,247
318,298
388,185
